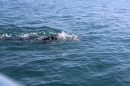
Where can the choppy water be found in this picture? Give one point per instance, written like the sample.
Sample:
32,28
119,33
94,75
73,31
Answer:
100,56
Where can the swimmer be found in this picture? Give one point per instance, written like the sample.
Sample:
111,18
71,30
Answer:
51,38
33,38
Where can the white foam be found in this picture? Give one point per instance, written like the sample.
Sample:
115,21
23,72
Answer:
28,34
6,35
68,36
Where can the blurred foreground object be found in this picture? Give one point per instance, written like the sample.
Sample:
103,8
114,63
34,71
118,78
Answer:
6,81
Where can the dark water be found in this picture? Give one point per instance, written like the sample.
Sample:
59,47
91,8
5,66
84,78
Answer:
95,50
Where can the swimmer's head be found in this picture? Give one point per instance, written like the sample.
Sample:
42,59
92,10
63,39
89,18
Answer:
57,36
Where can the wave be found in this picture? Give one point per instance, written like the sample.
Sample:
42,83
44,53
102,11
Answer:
64,35
39,33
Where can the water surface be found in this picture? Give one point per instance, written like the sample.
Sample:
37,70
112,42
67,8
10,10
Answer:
94,51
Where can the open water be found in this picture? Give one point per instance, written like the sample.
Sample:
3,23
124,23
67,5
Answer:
94,51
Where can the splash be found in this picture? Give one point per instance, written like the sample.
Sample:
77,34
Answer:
68,36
